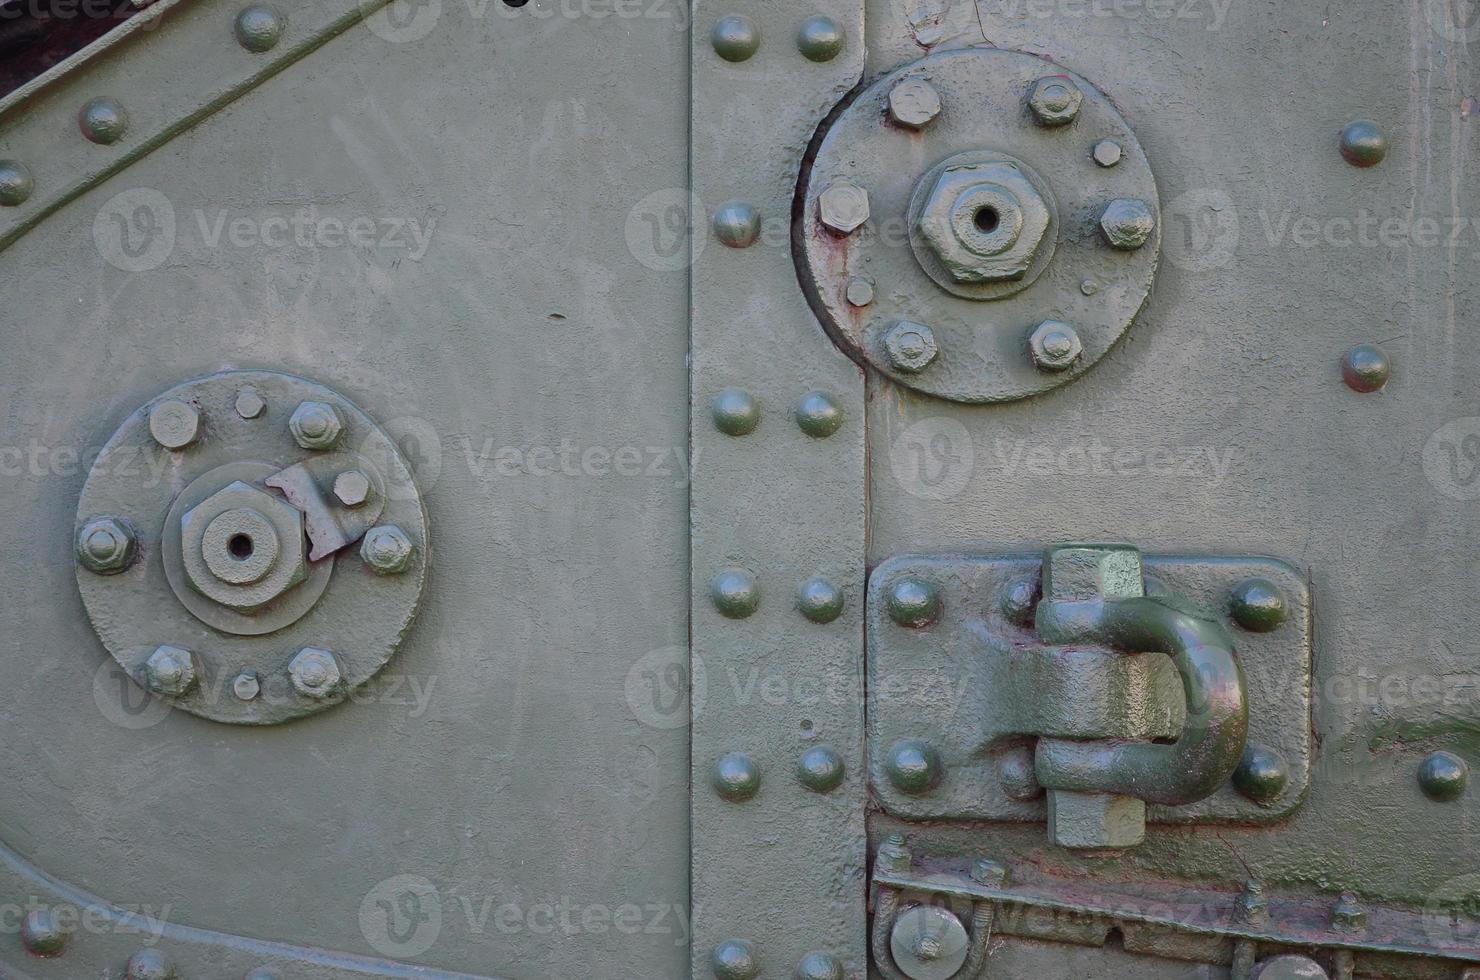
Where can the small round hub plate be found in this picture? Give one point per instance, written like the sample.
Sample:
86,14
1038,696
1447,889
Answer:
983,225
239,532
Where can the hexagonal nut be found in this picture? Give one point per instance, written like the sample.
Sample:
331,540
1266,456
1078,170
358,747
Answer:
1127,223
273,557
1054,345
843,207
315,673
352,488
171,671
910,347
387,550
914,103
984,222
1055,100
316,425
106,546
1095,821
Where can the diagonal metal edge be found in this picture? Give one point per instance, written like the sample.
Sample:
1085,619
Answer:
44,204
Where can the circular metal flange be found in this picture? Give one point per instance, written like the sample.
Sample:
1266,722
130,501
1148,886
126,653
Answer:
247,559
1038,251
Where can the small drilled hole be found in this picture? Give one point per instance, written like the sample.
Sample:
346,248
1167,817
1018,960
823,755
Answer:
987,220
515,3
240,547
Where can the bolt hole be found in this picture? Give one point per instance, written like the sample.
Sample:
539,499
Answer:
515,3
987,219
240,547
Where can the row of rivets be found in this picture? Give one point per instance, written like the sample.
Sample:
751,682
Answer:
104,120
736,38
43,935
314,673
737,413
736,776
736,595
734,959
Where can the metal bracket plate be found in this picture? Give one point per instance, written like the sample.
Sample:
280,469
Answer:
938,684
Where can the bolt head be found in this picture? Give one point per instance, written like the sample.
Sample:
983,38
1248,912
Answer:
819,415
103,120
1442,776
843,207
1127,224
16,183
315,673
171,671
913,766
387,550
243,546
258,28
734,593
735,38
42,934
174,424
910,347
316,425
1019,600
736,777
352,488
733,959
894,855
819,600
250,404
149,964
106,546
1095,821
246,685
860,291
1253,905
985,871
1055,100
1348,915
928,943
914,103
1107,153
821,769
1262,774
1363,143
1258,605
820,39
1055,345
1366,368
1018,774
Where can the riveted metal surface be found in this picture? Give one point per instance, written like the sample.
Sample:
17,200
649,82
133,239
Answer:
975,681
780,870
981,318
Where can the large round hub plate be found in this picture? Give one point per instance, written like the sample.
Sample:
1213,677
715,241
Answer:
1012,225
251,546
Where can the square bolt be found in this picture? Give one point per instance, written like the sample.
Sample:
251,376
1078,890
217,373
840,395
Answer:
1092,571
1095,821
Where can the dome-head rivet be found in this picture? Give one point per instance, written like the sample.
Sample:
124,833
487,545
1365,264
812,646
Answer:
736,777
1262,774
735,412
735,38
820,39
734,593
914,766
42,934
819,415
1443,776
258,28
1258,605
149,964
16,183
819,966
1363,143
734,959
821,769
819,600
1366,368
103,120
737,224
913,602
